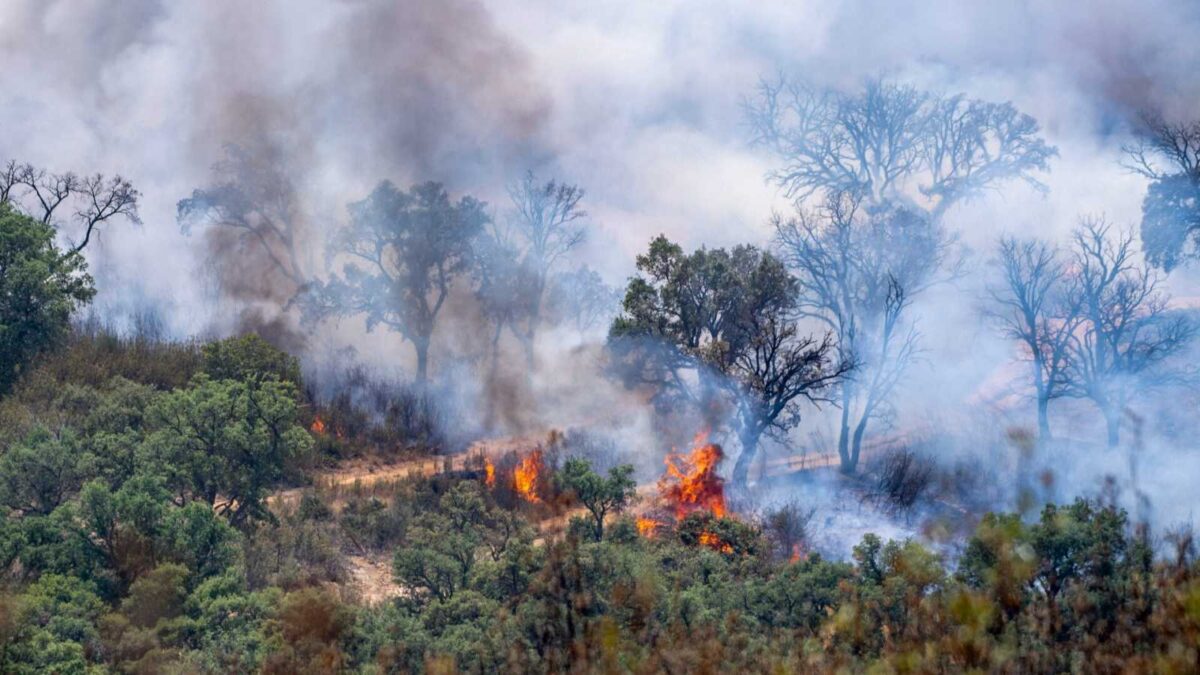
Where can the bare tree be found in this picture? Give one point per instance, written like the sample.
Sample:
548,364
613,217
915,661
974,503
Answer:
252,194
1158,142
545,225
777,371
1032,307
582,298
92,200
1127,330
502,286
1169,155
404,251
892,141
857,273
888,163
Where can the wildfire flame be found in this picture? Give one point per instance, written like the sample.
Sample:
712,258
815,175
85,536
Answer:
525,476
489,470
713,541
691,482
317,426
798,554
647,527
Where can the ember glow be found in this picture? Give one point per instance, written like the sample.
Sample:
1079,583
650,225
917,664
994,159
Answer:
525,476
691,482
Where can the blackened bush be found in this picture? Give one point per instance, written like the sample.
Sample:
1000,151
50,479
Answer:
786,530
902,477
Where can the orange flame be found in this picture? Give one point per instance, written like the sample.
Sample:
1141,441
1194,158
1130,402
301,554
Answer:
525,476
713,541
647,527
489,469
691,482
318,426
797,554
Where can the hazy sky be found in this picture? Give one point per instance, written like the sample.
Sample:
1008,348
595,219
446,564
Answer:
638,102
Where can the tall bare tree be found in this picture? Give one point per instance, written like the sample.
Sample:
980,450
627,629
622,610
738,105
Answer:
857,273
90,200
888,162
1031,306
546,223
403,252
1169,155
893,141
1127,330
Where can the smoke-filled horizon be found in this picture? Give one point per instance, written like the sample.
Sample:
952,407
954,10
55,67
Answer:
643,106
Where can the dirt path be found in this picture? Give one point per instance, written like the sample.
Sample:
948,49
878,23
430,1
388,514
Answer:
371,575
364,475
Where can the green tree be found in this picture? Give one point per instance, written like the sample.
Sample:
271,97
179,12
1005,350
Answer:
599,495
40,287
38,475
57,616
717,329
443,547
249,357
1168,154
226,442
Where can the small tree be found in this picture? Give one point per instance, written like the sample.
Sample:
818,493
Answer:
251,358
1032,307
405,250
40,287
599,495
40,473
1127,329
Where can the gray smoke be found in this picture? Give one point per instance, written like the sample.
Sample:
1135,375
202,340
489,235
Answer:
640,103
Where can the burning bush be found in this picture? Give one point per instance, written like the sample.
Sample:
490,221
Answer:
727,535
522,477
691,482
526,476
689,485
647,527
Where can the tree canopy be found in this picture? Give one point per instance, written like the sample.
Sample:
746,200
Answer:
1168,154
403,252
40,288
715,329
